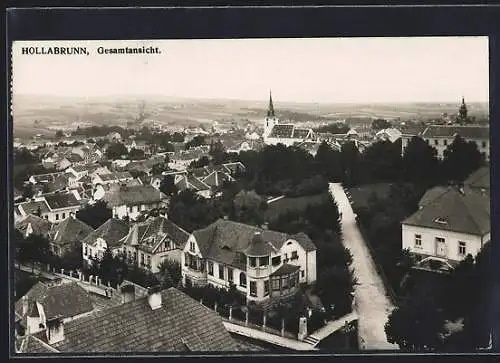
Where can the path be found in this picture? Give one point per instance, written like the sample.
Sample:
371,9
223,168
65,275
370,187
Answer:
332,326
372,304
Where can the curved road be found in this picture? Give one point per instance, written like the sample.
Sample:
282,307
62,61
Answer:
372,304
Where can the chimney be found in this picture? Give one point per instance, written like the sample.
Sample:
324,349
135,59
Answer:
226,218
128,293
154,297
25,304
55,331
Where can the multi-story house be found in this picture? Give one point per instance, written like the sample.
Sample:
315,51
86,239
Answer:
130,200
441,136
261,263
110,235
451,223
150,242
67,236
54,207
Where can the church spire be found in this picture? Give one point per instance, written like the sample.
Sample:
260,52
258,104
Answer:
463,111
270,109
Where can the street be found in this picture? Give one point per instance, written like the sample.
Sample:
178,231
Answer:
373,306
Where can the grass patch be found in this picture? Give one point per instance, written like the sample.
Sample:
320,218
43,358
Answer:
360,195
287,204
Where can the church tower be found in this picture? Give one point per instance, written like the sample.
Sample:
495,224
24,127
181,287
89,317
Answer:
462,112
270,119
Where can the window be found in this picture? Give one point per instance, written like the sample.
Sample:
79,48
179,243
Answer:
441,220
57,216
284,282
483,144
243,279
302,273
276,260
252,261
263,261
221,272
436,142
461,248
294,255
445,142
253,288
293,280
192,247
266,287
439,239
63,215
275,284
142,258
210,266
418,240
86,251
148,261
230,274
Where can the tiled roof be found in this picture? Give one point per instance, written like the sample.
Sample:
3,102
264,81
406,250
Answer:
133,195
282,131
202,172
479,179
412,130
39,225
60,182
62,300
225,241
116,176
180,324
431,194
45,178
258,247
30,344
191,182
61,200
300,133
285,269
149,234
112,231
467,132
32,207
467,212
217,178
74,157
304,241
70,230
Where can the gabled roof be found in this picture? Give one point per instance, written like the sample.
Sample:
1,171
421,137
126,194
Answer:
39,225
30,344
467,212
467,132
285,269
304,241
226,241
133,195
234,168
62,300
70,230
116,176
479,179
61,200
300,133
33,207
180,324
258,247
150,233
217,178
112,231
282,131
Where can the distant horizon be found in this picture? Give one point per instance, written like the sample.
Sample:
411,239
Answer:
299,70
276,101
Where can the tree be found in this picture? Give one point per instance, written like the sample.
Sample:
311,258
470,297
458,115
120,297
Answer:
339,297
461,158
136,154
380,124
248,207
116,150
198,140
420,163
95,214
350,158
167,185
35,248
329,162
59,134
417,325
170,273
217,153
200,163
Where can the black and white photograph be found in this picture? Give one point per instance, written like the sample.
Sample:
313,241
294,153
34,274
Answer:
250,196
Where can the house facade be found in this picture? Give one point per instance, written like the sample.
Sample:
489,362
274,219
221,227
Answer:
111,234
67,236
55,207
262,264
450,224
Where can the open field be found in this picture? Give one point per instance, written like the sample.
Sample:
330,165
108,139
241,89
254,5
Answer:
275,209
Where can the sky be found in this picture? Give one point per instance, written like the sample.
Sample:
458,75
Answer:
332,70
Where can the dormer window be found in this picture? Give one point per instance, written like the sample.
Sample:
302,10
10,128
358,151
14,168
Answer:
441,220
192,247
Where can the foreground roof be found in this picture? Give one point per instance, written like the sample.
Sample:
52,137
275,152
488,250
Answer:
133,194
112,231
479,179
181,324
452,210
62,300
71,229
39,225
